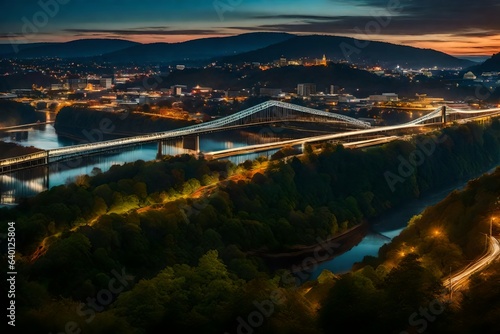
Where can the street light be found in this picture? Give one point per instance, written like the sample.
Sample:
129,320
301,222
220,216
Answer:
491,226
437,232
485,241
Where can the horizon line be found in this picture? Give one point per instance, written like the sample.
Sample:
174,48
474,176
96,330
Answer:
4,41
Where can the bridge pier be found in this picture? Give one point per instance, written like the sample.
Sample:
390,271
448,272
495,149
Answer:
191,143
47,177
159,154
443,115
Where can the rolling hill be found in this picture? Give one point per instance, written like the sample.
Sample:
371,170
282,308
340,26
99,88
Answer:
285,78
199,49
10,48
122,51
356,51
490,65
74,49
251,47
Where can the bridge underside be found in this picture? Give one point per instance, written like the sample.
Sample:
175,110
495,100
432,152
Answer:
191,142
266,113
23,165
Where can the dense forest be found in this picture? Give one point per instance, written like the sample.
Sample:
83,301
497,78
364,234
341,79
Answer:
83,123
402,289
8,150
170,245
14,113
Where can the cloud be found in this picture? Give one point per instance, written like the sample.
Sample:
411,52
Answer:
418,17
297,17
145,31
487,33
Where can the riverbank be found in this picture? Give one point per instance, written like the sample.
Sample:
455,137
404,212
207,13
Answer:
337,245
11,150
350,247
90,125
15,113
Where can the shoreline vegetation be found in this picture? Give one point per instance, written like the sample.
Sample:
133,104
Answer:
338,244
81,123
189,252
15,113
409,272
342,242
11,150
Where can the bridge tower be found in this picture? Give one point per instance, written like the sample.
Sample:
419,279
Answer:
46,181
443,115
191,143
159,154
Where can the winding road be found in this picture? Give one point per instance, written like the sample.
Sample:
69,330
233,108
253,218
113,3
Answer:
459,279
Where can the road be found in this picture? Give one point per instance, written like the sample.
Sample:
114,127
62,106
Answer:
459,279
22,126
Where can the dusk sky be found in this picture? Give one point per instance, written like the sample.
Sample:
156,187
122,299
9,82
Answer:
459,27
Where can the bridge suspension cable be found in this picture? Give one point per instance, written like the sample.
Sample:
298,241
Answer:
272,109
436,114
212,125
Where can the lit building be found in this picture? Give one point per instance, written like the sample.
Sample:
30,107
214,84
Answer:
385,97
283,62
201,90
324,61
469,76
235,94
273,92
106,83
347,98
306,89
76,83
56,87
177,90
297,62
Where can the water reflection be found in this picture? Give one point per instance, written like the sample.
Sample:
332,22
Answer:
18,185
41,136
28,183
383,231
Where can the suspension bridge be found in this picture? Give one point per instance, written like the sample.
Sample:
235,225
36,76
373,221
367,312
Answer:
370,136
264,113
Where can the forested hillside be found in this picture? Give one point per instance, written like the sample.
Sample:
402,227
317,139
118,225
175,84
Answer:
174,237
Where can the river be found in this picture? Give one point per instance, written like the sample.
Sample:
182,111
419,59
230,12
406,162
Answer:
28,183
383,230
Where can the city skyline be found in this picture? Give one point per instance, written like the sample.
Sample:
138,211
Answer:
466,29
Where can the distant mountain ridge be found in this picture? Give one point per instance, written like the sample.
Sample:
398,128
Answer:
117,50
258,47
74,49
198,49
490,65
9,49
356,51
